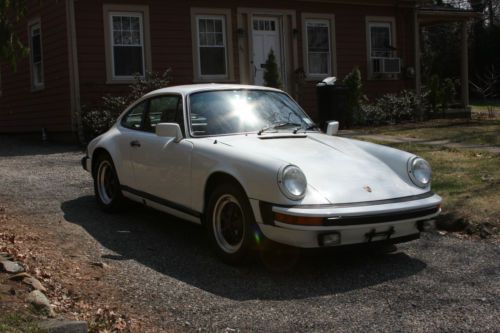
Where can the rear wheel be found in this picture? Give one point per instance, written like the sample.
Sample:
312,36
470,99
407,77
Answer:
106,185
229,221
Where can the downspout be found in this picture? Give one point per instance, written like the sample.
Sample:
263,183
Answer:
74,79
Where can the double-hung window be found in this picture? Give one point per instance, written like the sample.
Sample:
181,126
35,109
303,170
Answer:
382,57
36,57
318,47
318,31
380,39
127,44
212,47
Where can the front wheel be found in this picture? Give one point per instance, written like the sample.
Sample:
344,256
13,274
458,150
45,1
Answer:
229,221
107,186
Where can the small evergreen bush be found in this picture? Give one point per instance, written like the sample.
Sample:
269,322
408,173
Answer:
271,72
354,85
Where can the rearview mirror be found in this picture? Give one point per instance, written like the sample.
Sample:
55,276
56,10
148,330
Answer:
169,130
332,128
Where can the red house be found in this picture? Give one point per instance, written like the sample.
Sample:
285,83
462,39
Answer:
81,50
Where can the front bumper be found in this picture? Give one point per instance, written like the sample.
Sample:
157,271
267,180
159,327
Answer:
351,223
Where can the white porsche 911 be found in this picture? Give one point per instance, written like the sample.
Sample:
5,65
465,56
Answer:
249,164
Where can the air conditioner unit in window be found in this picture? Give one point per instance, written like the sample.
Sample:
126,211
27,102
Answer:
382,65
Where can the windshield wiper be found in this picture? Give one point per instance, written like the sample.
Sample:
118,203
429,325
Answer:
308,128
278,125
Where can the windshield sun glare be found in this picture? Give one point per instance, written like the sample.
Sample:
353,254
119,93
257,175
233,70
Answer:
224,112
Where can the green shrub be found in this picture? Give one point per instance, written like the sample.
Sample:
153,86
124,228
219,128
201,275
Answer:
441,93
271,72
449,92
435,93
393,109
98,118
354,85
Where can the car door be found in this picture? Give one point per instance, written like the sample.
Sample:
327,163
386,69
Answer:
162,166
130,127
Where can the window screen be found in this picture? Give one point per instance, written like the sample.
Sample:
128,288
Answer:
212,45
318,46
380,39
127,44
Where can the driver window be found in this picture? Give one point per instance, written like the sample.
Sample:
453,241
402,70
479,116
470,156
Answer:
163,109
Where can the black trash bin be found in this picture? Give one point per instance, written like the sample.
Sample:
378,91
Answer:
333,104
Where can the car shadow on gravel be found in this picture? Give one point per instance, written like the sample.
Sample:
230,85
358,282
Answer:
180,250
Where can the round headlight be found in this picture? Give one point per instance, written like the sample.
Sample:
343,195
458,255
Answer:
419,171
292,182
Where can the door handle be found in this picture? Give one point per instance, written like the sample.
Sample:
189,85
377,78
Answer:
135,144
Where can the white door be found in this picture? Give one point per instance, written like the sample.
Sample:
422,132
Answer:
266,37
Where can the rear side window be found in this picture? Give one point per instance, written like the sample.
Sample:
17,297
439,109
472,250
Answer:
133,119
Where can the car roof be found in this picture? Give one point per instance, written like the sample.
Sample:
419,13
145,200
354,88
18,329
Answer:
190,88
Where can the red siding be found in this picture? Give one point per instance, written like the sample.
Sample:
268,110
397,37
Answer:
23,110
170,35
351,47
171,47
171,44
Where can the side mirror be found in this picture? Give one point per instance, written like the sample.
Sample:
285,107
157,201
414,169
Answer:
169,130
332,128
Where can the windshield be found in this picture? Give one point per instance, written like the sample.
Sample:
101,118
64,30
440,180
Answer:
242,111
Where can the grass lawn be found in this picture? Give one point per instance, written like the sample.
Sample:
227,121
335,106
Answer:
482,106
479,131
15,323
469,182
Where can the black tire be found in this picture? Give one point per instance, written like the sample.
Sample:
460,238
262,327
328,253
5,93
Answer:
107,185
230,221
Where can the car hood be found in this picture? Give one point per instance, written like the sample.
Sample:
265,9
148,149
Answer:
337,168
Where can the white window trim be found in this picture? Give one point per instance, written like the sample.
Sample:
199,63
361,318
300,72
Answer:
381,21
140,15
41,85
225,14
332,65
126,10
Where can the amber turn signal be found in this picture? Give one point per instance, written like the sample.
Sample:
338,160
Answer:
298,220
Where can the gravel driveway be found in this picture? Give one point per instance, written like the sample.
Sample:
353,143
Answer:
164,265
